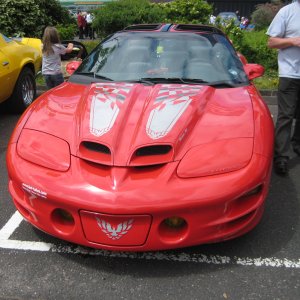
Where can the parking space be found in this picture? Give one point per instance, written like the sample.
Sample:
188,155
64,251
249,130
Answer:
264,264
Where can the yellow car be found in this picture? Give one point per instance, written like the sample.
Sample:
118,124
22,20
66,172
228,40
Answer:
20,60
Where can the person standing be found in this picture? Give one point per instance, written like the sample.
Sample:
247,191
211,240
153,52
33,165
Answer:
80,24
89,29
52,50
284,35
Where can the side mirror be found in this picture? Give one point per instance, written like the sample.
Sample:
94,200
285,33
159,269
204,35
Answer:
254,70
72,66
242,58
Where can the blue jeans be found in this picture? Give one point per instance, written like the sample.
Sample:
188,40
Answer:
53,80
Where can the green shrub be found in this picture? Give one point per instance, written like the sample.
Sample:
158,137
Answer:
183,11
90,45
67,32
116,15
30,17
234,33
264,14
254,47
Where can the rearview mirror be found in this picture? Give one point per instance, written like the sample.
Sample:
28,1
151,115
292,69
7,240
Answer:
254,70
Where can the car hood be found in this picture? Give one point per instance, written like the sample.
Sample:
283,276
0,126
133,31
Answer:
133,124
32,42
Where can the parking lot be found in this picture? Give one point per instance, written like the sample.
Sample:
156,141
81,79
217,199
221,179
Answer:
264,264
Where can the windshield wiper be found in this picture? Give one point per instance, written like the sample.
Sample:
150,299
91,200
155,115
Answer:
148,82
92,74
224,83
173,80
216,84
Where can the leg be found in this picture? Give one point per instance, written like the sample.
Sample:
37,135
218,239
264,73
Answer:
287,101
80,32
58,79
296,134
49,81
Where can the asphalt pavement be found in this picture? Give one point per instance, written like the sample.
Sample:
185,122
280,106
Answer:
263,264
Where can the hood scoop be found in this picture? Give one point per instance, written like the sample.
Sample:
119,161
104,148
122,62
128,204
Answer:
152,155
124,124
95,152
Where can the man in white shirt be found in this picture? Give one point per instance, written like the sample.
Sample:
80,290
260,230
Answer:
89,29
284,34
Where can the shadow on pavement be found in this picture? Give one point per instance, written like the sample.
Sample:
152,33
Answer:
268,239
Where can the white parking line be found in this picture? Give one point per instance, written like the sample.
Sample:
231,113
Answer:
12,224
16,220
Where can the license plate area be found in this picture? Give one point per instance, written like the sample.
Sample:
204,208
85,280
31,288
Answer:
115,230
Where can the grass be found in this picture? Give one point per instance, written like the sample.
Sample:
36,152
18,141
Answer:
267,82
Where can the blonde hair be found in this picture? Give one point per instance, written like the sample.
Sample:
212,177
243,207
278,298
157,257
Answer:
50,37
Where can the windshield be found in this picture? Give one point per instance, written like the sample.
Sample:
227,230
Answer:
207,58
5,38
228,15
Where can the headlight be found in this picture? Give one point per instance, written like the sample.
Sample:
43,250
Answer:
44,149
216,158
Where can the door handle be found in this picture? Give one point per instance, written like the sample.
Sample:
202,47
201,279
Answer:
5,63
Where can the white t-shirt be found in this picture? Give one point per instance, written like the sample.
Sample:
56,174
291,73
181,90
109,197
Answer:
52,63
286,24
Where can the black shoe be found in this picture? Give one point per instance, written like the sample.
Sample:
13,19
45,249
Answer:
281,167
296,149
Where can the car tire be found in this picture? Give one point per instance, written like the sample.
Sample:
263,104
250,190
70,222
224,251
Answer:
24,92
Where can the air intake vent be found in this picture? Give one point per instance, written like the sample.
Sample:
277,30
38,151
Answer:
153,150
202,28
143,27
96,147
152,155
95,152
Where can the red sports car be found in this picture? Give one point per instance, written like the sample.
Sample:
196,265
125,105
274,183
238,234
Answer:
157,141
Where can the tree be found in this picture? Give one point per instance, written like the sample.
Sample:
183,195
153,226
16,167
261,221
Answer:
116,15
30,17
187,11
264,14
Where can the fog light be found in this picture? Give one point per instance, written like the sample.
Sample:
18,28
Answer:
63,221
173,230
64,216
175,222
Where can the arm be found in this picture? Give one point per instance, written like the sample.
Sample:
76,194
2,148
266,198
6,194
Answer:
282,43
69,48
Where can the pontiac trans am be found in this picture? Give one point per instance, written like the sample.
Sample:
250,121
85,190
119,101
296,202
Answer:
158,140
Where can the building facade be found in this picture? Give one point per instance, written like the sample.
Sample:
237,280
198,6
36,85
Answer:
82,5
245,7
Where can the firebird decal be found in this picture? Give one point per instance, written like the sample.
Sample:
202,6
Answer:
117,232
105,106
169,105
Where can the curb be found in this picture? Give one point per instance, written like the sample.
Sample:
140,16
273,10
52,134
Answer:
269,93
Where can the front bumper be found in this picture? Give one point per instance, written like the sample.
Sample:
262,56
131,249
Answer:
214,207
